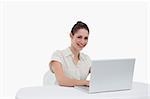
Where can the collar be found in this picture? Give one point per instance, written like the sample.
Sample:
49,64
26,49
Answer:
68,52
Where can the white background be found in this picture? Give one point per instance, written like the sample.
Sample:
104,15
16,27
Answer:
32,31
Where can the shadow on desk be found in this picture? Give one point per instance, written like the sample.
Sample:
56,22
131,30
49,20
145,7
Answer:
138,91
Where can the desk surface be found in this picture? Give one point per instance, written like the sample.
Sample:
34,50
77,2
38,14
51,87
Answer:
138,91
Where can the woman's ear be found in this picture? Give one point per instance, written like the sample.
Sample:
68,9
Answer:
71,35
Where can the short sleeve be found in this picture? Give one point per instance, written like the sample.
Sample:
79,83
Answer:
56,56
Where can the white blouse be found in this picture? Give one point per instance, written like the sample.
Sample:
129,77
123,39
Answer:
77,71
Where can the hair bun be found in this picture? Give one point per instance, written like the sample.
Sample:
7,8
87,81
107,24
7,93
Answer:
79,22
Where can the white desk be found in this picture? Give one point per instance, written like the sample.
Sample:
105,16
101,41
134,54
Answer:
139,91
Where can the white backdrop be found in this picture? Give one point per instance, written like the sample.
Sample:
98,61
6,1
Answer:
31,31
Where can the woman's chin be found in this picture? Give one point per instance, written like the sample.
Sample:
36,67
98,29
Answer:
80,48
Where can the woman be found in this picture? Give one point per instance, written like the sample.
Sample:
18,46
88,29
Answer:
70,66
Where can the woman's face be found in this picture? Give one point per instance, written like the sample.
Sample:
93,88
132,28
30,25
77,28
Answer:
80,39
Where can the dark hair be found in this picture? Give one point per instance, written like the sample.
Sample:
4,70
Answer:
79,25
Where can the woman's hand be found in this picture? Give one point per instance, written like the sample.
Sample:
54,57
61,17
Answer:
87,83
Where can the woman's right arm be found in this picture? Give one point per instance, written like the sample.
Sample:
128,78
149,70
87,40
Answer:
62,79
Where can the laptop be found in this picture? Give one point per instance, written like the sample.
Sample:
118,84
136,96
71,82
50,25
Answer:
110,75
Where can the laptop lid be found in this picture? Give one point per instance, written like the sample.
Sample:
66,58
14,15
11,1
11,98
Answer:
111,75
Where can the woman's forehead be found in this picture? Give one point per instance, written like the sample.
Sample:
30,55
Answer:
82,32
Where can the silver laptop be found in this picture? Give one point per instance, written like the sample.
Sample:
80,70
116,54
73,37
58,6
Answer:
110,75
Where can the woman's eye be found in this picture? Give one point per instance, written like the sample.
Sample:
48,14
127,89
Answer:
86,38
79,37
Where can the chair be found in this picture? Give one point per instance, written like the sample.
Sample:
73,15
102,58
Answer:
48,78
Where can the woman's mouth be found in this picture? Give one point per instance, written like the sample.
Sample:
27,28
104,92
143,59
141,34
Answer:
80,45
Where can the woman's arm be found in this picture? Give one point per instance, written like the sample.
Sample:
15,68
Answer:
62,79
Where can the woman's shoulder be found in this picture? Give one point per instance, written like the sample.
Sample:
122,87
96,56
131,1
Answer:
85,56
56,51
59,52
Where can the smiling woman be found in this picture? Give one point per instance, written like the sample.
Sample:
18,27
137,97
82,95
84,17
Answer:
70,66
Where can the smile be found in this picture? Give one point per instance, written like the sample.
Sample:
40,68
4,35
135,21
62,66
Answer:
80,45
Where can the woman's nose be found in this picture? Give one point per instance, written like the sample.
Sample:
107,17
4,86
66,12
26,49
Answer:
83,41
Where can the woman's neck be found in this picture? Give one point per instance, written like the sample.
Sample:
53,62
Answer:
75,52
